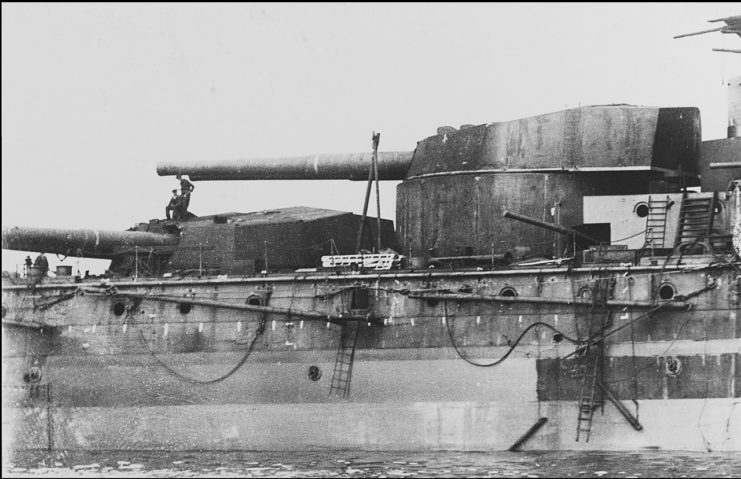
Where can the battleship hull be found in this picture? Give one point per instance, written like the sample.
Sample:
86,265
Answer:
396,360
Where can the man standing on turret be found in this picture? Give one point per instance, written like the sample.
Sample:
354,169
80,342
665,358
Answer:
186,187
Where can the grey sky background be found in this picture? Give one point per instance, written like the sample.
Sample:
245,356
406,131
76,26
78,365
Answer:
94,95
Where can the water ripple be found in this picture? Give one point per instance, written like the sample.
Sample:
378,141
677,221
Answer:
635,465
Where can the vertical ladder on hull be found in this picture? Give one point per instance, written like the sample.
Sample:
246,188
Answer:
656,223
695,218
599,317
588,401
345,356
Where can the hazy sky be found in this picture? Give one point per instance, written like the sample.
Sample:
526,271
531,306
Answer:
93,96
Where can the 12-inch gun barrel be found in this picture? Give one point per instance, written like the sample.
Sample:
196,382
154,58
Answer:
82,242
328,166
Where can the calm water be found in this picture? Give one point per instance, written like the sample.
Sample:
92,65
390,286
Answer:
374,464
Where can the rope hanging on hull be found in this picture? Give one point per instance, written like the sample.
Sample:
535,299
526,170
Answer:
182,377
187,379
511,347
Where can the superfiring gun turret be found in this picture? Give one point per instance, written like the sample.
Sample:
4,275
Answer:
455,184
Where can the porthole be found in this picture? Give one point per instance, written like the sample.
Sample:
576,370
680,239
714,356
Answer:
585,292
672,366
254,300
119,308
315,373
666,291
185,308
508,291
641,209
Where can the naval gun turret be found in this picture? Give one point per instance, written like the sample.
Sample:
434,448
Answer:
456,184
229,243
454,187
